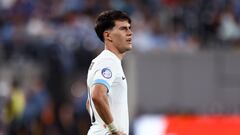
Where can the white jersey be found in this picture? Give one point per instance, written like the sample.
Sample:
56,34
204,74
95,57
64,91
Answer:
106,69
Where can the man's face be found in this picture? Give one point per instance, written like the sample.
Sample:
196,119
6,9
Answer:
121,36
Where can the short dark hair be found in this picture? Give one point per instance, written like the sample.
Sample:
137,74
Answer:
106,20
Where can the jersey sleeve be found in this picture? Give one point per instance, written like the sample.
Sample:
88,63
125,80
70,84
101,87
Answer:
105,73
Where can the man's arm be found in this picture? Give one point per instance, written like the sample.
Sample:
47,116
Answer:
100,100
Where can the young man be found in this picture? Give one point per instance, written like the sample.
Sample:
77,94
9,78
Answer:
107,100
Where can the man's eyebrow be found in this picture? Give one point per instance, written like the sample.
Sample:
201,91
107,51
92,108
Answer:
124,27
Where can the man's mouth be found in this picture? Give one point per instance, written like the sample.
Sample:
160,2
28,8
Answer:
129,40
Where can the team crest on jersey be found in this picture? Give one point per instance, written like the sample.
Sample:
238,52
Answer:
106,73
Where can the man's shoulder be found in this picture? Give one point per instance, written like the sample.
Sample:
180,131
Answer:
103,62
104,57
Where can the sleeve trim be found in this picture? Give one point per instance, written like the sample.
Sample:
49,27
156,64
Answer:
103,82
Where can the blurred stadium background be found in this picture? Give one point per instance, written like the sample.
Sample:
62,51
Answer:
183,72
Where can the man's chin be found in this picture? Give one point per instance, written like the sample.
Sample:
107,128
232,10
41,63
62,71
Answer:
130,47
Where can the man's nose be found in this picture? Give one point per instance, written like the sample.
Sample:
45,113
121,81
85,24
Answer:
130,32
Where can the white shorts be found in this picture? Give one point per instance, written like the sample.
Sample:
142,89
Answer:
98,130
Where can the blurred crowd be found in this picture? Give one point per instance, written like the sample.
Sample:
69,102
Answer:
46,47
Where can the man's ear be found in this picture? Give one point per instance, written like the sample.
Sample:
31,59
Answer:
107,36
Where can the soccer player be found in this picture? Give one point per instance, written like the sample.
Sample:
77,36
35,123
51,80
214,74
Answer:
107,100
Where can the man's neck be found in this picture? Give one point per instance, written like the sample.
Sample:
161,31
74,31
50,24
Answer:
114,51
